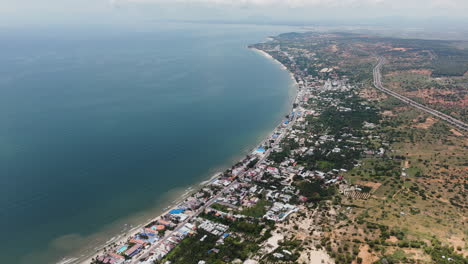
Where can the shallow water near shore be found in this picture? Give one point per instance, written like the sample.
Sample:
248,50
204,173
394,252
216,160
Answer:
102,128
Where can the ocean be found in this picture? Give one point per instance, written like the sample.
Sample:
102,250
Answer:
102,127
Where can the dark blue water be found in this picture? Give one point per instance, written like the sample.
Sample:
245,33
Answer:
96,124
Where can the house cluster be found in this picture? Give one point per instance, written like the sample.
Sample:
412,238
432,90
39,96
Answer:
257,180
279,211
216,229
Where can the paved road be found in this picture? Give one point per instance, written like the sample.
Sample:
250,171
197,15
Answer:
145,253
378,84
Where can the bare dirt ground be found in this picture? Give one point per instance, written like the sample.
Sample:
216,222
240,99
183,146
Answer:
306,229
435,96
417,254
392,239
272,242
399,49
315,257
372,94
456,132
427,124
406,164
388,113
422,71
373,185
333,48
367,258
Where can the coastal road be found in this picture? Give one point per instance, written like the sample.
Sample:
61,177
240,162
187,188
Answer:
146,253
378,85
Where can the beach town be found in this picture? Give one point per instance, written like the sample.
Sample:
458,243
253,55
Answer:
234,132
259,190
303,194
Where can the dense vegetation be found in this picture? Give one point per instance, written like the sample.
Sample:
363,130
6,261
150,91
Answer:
192,250
314,190
258,210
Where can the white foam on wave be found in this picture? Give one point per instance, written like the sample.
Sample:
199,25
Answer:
67,261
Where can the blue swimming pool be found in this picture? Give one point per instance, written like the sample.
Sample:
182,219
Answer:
122,249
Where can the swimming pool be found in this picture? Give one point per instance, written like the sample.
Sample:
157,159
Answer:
122,249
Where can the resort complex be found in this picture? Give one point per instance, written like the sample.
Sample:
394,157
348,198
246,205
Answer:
340,180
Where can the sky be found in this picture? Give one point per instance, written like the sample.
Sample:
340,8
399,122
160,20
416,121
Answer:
256,11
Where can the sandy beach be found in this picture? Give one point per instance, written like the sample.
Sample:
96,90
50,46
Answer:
263,53
122,237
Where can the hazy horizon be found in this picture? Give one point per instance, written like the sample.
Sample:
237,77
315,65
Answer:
415,12
113,111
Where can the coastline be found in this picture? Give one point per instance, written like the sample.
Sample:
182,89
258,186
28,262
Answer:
263,53
184,192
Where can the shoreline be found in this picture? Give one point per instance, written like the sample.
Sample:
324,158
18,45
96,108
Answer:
263,53
123,236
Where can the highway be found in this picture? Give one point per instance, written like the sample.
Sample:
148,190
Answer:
378,84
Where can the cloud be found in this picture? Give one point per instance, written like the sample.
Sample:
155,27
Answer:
90,11
304,10
397,4
288,3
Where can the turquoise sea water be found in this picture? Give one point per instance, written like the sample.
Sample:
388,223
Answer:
99,125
